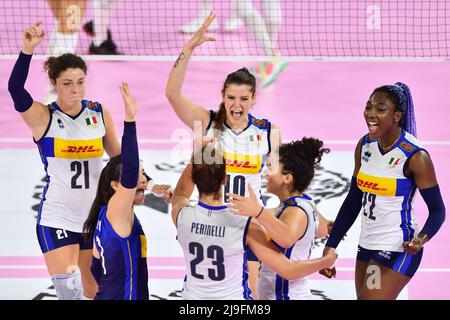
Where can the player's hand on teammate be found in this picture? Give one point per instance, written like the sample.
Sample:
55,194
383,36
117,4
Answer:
244,206
130,104
415,244
199,37
331,271
32,37
164,191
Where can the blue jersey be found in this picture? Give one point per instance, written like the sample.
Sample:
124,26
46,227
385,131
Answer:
124,273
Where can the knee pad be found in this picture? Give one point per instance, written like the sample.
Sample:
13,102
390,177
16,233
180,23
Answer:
68,286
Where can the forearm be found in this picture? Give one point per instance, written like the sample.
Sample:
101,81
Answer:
303,268
22,99
177,74
185,186
277,229
436,212
129,156
347,215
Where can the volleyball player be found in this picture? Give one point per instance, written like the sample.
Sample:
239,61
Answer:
213,239
295,223
120,250
245,138
71,134
390,164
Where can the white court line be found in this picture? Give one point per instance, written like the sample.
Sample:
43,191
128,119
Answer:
418,270
44,267
168,141
438,270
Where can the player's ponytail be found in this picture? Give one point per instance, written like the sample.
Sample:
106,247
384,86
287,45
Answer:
111,172
300,158
239,77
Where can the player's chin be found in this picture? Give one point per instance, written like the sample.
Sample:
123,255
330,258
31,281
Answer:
139,198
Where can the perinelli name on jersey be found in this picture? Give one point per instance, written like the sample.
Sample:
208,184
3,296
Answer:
208,230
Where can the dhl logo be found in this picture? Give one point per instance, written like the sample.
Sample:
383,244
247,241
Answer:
75,149
369,185
377,185
78,148
239,163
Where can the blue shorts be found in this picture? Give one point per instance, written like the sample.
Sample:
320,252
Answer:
401,262
52,238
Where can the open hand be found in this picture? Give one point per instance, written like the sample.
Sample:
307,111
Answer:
199,37
130,104
164,191
244,206
32,37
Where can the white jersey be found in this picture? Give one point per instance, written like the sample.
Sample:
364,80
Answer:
387,210
72,153
213,241
272,286
245,154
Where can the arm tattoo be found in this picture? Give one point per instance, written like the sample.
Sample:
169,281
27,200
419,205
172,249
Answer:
180,57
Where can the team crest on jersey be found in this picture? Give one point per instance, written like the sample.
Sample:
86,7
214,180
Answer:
260,123
367,154
393,162
91,122
289,202
406,146
60,123
92,105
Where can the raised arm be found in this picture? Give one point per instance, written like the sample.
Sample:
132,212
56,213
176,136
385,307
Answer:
186,110
34,113
182,193
120,205
266,251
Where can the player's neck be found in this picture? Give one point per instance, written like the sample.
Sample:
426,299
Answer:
238,127
389,140
212,200
71,110
286,194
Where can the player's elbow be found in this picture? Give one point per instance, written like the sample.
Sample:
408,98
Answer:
289,272
287,242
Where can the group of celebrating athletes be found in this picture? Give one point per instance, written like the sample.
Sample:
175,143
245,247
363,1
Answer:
234,247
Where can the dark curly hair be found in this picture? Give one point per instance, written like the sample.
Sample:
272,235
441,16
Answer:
300,158
54,66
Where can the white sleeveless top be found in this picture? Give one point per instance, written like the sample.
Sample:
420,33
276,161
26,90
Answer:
213,241
387,210
245,154
270,285
72,153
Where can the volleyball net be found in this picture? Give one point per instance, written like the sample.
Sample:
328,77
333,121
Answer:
294,29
